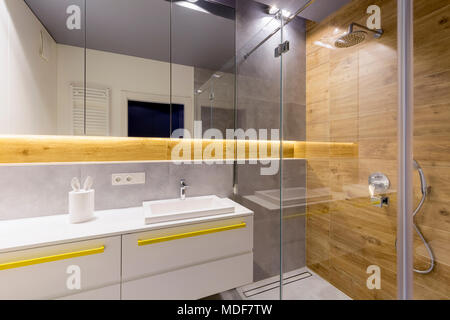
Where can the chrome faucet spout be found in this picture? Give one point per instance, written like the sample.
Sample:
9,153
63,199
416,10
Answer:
183,187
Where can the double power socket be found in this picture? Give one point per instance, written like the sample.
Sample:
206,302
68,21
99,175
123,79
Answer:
123,179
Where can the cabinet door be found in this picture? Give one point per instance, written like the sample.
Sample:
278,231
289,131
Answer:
55,271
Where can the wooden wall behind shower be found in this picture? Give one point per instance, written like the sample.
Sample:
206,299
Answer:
352,97
432,140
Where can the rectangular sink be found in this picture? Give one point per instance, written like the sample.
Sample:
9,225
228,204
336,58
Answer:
295,196
176,209
291,196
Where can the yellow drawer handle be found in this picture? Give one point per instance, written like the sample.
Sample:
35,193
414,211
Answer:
62,256
191,234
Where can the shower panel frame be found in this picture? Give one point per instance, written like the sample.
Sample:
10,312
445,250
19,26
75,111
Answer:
281,55
405,53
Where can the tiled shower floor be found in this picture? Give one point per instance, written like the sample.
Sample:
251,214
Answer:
301,284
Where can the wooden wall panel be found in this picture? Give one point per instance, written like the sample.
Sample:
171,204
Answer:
357,103
432,141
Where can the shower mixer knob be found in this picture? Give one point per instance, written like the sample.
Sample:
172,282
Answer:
379,184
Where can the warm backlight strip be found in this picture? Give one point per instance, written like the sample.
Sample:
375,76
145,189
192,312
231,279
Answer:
63,149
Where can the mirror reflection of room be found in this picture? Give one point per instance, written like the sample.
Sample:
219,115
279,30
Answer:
117,68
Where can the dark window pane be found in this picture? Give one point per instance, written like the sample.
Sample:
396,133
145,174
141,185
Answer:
148,119
177,116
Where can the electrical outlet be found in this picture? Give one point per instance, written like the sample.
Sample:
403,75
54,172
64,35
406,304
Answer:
123,179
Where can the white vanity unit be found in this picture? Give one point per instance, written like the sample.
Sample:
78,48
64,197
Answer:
118,256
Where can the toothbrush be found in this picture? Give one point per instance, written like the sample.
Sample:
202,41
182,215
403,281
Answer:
87,184
75,183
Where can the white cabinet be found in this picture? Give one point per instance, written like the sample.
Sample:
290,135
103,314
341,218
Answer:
188,262
189,259
43,273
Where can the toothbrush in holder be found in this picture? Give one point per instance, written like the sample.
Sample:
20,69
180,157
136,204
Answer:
81,201
75,184
88,184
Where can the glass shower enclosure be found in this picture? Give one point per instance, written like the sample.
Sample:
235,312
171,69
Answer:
270,103
337,100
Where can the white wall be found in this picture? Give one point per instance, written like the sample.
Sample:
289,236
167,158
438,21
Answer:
125,76
35,93
27,82
4,48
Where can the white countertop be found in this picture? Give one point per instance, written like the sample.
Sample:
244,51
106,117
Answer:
37,232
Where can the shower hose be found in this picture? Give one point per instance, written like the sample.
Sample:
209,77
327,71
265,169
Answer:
424,190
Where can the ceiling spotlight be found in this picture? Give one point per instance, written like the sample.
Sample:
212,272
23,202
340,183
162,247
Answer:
273,10
286,13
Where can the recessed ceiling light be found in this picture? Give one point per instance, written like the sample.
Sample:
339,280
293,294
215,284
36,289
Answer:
193,1
190,5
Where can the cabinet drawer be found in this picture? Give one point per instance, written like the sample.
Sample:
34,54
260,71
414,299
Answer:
168,249
44,273
193,282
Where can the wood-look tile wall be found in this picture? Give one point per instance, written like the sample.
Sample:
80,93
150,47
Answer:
352,97
432,141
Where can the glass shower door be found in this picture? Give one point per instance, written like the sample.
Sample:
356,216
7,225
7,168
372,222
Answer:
258,115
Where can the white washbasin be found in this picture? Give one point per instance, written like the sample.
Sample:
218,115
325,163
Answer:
175,209
295,196
291,196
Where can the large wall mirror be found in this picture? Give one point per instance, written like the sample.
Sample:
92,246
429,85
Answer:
135,68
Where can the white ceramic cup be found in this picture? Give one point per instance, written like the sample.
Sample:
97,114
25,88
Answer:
81,206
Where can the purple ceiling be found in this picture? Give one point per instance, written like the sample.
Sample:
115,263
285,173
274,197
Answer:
143,28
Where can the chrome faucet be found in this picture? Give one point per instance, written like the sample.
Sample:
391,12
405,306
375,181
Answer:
183,187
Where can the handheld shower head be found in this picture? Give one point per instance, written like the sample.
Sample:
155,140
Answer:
423,181
424,189
352,37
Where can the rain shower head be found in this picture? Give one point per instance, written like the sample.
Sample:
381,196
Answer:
352,37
